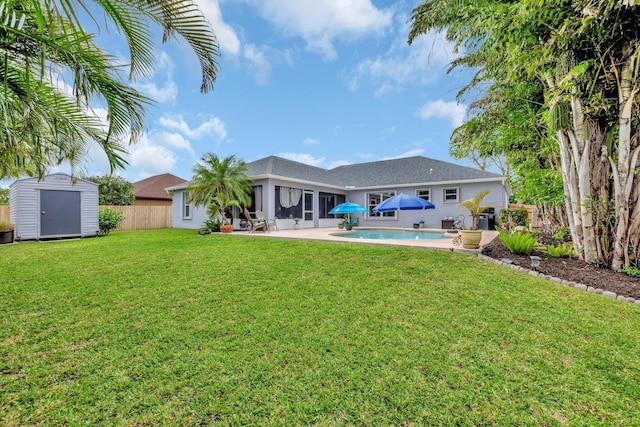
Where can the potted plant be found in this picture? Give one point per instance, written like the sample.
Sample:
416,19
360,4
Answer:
6,232
296,224
471,238
217,211
342,224
350,223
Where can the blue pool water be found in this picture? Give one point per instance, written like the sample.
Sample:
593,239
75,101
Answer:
382,234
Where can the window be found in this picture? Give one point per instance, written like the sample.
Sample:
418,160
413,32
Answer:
450,195
329,201
424,194
186,207
288,202
374,199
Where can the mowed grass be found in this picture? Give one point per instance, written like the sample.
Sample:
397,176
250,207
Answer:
170,328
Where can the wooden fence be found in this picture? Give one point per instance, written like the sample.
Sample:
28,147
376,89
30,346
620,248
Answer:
136,217
143,217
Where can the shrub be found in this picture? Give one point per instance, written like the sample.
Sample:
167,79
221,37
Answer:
630,271
108,220
4,196
562,233
5,226
560,251
518,216
519,242
210,226
114,190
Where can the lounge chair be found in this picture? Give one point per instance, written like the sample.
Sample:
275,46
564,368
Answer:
270,222
255,225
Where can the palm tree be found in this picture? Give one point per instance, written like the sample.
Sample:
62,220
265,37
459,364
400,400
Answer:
475,207
41,43
219,184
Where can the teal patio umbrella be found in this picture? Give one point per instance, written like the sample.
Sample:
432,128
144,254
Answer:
348,208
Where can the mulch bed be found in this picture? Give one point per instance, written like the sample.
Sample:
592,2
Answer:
571,269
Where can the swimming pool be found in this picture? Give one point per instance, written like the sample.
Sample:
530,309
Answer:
392,234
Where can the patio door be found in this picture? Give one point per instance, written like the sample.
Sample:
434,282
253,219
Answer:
308,206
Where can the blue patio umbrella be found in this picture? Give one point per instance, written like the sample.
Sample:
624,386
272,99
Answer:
348,208
403,202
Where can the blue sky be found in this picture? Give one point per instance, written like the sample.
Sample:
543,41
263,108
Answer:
326,83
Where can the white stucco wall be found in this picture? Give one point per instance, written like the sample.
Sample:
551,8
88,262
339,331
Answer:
498,198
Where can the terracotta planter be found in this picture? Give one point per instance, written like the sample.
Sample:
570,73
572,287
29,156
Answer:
226,228
471,238
6,237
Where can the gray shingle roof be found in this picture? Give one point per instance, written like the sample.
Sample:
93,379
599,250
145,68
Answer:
274,165
409,170
383,173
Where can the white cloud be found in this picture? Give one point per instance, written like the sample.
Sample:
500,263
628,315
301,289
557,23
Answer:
410,153
310,141
450,110
165,92
174,140
319,23
258,63
149,159
211,126
303,158
227,38
337,163
421,63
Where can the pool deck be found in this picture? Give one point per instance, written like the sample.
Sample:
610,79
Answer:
325,234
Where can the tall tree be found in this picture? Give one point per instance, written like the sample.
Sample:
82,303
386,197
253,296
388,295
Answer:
44,48
114,190
585,54
219,184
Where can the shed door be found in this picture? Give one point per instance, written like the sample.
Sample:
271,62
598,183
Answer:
59,213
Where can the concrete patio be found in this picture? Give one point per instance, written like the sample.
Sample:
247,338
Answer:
326,234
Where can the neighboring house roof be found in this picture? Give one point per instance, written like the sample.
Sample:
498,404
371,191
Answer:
383,173
153,187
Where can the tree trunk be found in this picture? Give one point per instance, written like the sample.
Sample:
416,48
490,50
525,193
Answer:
623,177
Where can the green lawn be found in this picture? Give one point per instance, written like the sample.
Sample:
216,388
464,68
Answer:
167,327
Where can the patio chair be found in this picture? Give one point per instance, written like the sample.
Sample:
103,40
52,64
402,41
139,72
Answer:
270,222
255,225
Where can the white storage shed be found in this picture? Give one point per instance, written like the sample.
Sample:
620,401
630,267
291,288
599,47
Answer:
55,207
